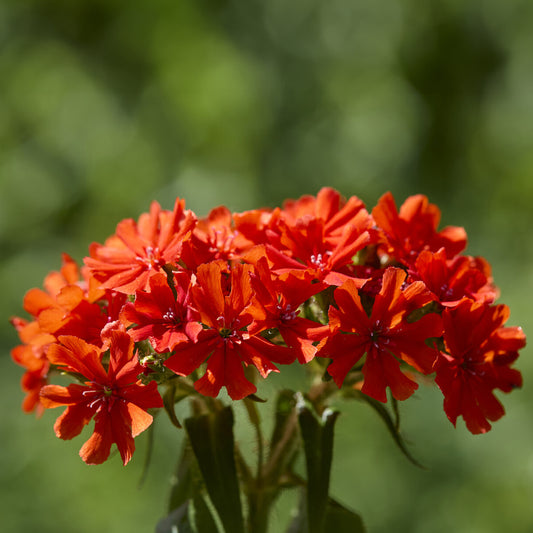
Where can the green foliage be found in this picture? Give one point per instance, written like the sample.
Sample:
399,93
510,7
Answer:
211,438
317,436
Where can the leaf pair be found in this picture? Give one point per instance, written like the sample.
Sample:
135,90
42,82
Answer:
206,495
318,512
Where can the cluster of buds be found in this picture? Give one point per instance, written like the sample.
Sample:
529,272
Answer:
371,300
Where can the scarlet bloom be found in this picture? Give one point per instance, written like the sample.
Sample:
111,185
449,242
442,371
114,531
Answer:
214,237
116,399
62,308
32,382
329,206
478,357
32,356
231,337
253,225
414,228
320,236
382,335
161,317
450,280
281,297
138,250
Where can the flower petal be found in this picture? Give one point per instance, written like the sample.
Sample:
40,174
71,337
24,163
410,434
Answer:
96,450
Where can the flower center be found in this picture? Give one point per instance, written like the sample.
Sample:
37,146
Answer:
286,314
152,258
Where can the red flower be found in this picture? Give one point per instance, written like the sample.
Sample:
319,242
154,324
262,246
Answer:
214,237
253,225
414,228
62,309
137,251
329,206
32,356
383,334
115,398
452,279
320,236
65,308
479,352
281,297
224,306
160,317
31,383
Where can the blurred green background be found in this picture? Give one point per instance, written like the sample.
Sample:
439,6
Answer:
108,104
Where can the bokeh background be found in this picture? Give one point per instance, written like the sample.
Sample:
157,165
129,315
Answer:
108,104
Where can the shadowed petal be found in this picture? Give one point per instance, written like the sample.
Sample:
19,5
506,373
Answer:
96,450
72,421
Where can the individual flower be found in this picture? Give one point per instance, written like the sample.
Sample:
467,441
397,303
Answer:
163,316
115,398
414,228
385,334
214,237
31,383
477,359
450,280
254,225
138,250
232,335
281,298
63,308
329,206
32,356
320,236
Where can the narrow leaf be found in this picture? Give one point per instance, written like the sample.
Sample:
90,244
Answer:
299,523
317,435
187,481
396,411
391,423
189,489
203,517
339,519
149,451
212,441
342,520
255,398
168,402
176,522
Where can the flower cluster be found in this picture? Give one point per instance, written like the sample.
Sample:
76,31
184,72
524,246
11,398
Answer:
370,299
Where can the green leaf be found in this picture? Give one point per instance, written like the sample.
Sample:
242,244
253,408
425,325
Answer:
392,423
342,520
176,522
168,402
338,519
149,451
188,479
203,517
299,522
192,516
212,441
189,490
255,398
317,435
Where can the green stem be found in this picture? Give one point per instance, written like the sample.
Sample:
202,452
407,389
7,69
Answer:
259,503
